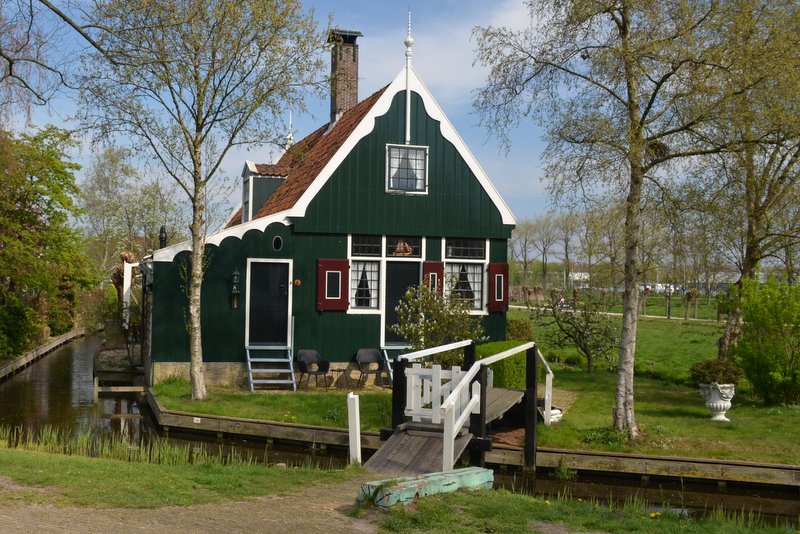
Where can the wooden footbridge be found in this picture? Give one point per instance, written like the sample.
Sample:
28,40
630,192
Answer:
449,411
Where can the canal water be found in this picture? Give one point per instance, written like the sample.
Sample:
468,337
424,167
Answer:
57,391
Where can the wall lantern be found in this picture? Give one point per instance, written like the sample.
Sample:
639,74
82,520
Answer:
235,291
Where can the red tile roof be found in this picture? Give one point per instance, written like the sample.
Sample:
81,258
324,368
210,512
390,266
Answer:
303,162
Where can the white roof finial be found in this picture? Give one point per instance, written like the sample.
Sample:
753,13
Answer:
290,135
409,42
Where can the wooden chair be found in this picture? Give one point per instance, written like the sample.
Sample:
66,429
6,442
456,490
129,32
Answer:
311,363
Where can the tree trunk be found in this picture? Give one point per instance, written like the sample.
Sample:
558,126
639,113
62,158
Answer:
195,282
624,415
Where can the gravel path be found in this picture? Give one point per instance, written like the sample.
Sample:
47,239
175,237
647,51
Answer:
317,509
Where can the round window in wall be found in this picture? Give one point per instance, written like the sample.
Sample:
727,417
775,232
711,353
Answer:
277,243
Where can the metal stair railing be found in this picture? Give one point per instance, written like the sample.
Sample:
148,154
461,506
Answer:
268,368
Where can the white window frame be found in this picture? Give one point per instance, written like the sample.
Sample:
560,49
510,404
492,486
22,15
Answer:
355,279
402,191
247,197
381,261
484,275
499,280
338,286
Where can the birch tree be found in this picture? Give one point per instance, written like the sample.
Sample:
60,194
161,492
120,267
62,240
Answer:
619,86
188,81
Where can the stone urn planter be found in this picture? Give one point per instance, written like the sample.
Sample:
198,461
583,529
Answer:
718,399
717,380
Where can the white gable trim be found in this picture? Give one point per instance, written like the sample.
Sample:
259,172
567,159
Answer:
363,129
368,124
169,253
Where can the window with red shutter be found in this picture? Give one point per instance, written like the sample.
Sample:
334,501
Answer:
332,285
433,275
498,287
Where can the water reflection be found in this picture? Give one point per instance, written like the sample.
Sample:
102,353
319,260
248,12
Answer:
57,391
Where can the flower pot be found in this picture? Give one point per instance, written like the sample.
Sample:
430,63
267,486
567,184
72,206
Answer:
718,399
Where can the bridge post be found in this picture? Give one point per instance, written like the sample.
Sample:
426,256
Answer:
469,356
477,425
399,392
531,411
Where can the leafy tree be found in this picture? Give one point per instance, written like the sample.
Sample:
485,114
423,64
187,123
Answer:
40,254
37,41
521,247
755,189
585,327
769,347
544,237
427,318
620,87
567,227
191,80
121,211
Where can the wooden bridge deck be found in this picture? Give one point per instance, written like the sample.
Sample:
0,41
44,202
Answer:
416,448
499,401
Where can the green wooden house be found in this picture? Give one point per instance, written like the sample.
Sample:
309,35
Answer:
329,238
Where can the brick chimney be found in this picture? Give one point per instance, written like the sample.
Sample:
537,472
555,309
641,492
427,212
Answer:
344,72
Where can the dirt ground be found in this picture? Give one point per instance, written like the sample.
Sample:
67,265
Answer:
317,509
322,509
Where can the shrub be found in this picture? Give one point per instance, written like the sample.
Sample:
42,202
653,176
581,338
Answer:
426,318
719,371
519,329
508,373
769,347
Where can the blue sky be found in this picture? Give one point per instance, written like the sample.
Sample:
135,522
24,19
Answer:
444,50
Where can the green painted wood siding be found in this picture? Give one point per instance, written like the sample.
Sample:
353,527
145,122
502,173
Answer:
336,335
354,200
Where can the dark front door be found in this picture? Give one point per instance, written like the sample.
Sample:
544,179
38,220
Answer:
399,277
269,303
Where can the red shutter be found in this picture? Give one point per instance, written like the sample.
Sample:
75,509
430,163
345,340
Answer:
498,287
333,285
433,274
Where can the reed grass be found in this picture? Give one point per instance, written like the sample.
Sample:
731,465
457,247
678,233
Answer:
53,440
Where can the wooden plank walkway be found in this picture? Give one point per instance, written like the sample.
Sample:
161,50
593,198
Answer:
499,401
413,449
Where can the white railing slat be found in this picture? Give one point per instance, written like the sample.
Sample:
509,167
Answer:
435,350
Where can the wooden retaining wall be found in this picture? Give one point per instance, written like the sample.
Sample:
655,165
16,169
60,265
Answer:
315,436
33,355
657,466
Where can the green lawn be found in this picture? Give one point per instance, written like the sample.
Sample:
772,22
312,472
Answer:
665,349
100,483
674,420
657,306
510,513
324,407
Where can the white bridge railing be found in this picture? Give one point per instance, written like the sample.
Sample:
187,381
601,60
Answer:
440,396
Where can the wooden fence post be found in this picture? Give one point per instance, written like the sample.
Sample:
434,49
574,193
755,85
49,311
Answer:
531,411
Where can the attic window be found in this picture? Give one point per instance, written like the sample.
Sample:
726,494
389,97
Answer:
406,169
